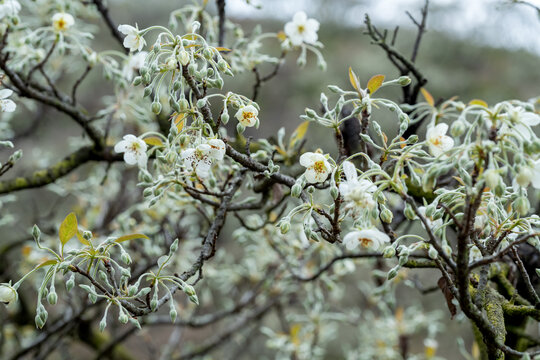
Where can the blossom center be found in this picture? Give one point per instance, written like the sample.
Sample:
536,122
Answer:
247,115
135,147
365,242
319,166
437,141
301,29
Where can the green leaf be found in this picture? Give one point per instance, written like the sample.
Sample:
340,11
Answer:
354,80
68,228
47,263
427,96
478,102
154,141
375,83
299,133
131,237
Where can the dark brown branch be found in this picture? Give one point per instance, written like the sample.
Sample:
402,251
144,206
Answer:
104,11
221,14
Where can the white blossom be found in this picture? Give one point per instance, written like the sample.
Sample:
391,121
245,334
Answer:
523,121
437,139
317,167
6,105
301,29
9,8
247,115
62,21
200,158
371,238
492,177
528,175
134,150
7,293
358,193
133,40
135,62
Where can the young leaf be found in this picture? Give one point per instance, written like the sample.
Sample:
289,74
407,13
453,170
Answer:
68,228
131,237
81,238
375,83
478,102
299,133
179,121
354,80
427,96
222,49
47,263
153,140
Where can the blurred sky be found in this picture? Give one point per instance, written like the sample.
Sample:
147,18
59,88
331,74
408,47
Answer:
497,23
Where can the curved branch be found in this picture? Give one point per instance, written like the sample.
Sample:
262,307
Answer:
51,174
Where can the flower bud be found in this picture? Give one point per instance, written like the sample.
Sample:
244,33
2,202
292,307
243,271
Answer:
311,113
334,192
7,293
137,81
92,297
201,103
153,304
36,233
184,57
392,273
404,80
126,259
524,176
222,65
296,190
194,299
457,128
103,323
173,314
492,178
433,253
285,227
184,104
403,259
147,91
39,322
409,212
156,107
413,139
389,252
386,215
522,205
189,290
224,118
52,298
123,318
170,63
70,283
240,128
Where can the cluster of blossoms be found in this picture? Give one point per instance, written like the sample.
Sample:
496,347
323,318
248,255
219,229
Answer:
191,162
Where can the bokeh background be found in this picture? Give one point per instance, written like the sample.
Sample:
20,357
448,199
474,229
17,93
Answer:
475,49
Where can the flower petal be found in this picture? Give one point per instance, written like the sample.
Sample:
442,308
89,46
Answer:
4,93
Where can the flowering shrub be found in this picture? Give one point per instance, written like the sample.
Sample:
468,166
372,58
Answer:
465,172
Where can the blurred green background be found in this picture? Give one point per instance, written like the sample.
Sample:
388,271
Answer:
455,64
